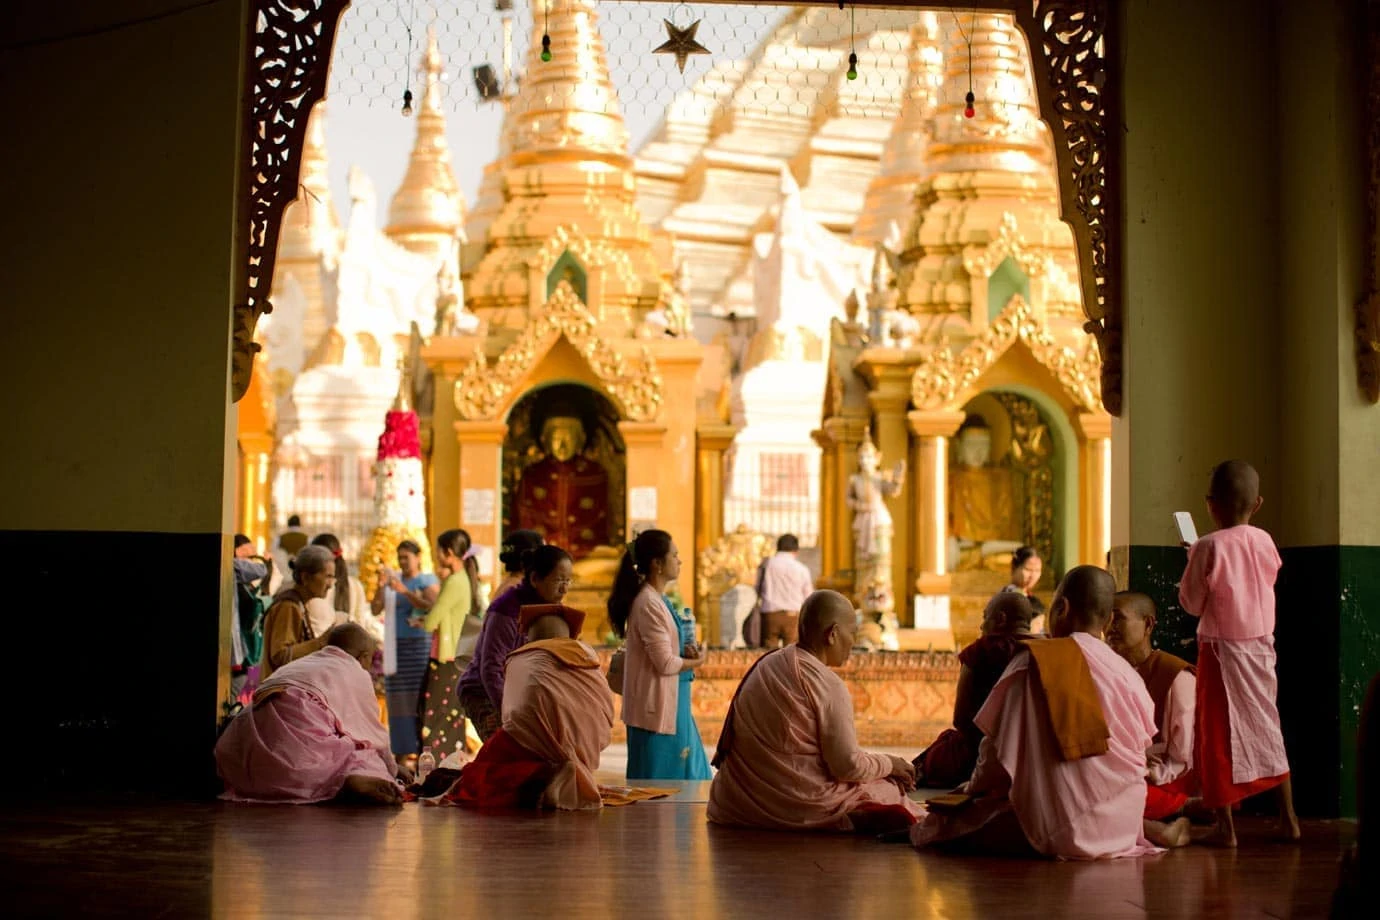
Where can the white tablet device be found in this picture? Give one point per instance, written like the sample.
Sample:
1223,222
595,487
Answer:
1187,532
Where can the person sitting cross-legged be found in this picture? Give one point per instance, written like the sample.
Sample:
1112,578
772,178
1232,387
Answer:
949,761
557,719
788,756
1061,767
313,732
1172,685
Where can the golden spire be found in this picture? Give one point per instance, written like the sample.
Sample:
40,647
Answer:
1006,133
428,208
903,163
310,227
568,103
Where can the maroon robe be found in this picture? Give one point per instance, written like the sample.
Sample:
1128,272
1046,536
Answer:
566,502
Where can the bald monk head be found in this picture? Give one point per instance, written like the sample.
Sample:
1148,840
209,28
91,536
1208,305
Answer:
1008,614
1234,493
1082,603
828,625
1133,621
356,642
550,626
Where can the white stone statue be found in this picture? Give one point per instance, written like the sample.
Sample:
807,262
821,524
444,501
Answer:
868,490
734,607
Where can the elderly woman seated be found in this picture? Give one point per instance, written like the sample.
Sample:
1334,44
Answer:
313,732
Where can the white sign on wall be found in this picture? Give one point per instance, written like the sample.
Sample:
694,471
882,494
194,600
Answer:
477,506
642,503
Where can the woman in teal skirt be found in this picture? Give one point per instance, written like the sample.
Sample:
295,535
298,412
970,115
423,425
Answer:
660,659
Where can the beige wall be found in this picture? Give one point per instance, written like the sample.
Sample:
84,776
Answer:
119,172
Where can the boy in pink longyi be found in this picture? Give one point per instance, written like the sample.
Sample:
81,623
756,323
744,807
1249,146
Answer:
1229,585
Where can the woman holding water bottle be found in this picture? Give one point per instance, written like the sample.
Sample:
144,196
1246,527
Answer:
661,656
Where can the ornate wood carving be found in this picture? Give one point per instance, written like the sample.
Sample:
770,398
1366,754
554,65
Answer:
944,379
1368,307
289,47
1071,43
483,390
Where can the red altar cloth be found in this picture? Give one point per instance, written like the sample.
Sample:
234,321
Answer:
566,502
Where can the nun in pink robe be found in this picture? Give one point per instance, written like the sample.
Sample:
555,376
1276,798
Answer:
312,725
789,759
1079,807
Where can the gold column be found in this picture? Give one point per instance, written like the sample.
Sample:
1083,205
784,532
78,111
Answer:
844,434
889,400
481,463
829,499
1094,488
932,431
256,452
710,443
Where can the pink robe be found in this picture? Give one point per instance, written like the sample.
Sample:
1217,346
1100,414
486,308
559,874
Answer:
795,763
562,714
1230,586
312,724
1090,808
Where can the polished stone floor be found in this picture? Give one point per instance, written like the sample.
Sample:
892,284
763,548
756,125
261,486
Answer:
650,860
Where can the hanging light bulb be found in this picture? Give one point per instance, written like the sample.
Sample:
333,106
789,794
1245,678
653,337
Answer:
407,102
546,47
852,66
968,110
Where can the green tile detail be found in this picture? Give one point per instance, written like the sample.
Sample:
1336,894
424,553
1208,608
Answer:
1359,657
1156,570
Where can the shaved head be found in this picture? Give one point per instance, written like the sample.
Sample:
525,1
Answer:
548,627
1134,603
1085,595
821,610
1235,487
352,639
1007,612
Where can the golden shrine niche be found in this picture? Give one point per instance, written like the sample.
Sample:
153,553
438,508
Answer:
603,446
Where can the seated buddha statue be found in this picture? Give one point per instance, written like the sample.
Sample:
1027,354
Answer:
984,513
565,496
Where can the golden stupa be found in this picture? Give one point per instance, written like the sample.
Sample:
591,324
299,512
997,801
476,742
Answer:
971,363
571,313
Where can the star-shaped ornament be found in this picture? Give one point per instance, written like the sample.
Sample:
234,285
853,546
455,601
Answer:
681,42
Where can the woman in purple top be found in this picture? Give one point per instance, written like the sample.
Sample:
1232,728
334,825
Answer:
548,572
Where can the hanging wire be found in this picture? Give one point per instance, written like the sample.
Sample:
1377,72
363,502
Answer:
407,62
968,108
852,42
546,31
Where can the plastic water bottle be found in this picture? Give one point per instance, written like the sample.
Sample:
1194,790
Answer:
425,764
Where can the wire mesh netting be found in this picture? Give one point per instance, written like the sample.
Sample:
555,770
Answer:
768,58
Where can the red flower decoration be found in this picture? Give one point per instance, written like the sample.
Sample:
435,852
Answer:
400,439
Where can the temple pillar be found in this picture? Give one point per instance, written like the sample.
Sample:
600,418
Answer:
889,400
1223,362
845,433
1095,488
255,487
710,443
830,498
480,510
930,485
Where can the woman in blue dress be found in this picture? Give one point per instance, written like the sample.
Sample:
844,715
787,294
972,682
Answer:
415,592
660,659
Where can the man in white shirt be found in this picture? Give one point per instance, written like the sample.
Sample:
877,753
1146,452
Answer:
786,582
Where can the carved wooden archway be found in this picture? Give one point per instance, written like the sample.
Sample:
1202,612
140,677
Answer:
1079,89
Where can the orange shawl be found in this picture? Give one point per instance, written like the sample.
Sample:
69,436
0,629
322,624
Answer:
1064,689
